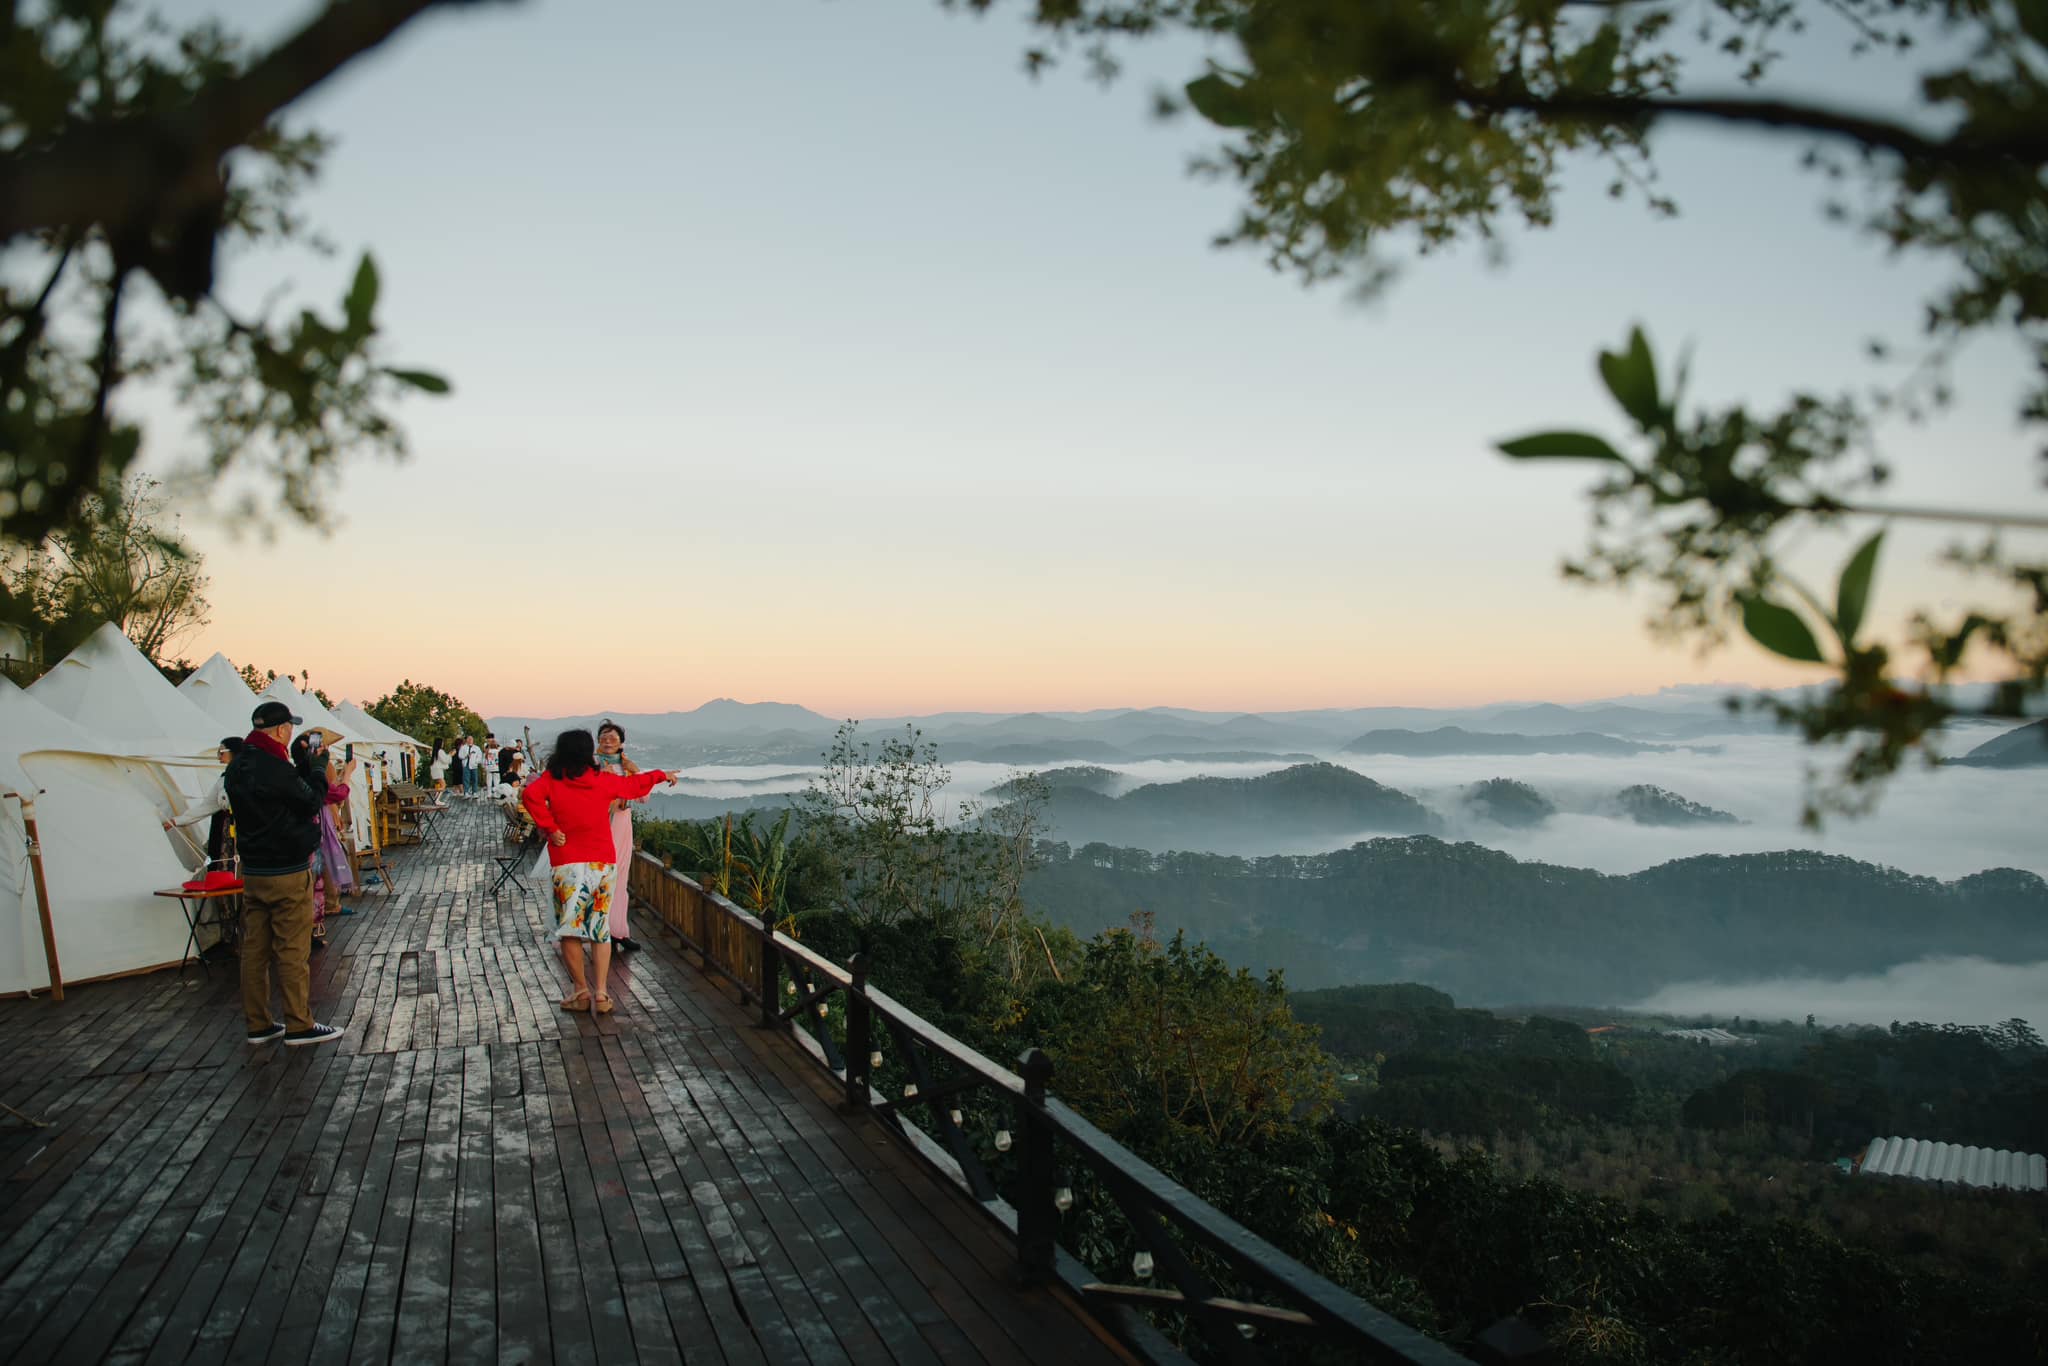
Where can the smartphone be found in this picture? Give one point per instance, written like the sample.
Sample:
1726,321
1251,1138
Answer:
348,751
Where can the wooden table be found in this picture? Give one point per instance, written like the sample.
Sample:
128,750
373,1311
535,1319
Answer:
423,815
193,902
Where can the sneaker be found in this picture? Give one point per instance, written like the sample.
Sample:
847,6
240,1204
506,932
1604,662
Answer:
276,1031
319,1033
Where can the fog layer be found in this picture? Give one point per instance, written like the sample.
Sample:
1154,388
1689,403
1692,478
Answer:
1959,990
1945,823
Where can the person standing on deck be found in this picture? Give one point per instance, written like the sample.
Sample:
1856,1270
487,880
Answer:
437,767
572,804
472,766
487,754
275,828
331,873
213,806
611,757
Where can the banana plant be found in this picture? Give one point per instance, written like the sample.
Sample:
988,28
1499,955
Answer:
762,862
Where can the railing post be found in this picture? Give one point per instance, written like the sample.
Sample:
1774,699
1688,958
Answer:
859,1034
1037,1222
771,975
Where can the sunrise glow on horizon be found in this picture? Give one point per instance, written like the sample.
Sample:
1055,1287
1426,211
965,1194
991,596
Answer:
866,374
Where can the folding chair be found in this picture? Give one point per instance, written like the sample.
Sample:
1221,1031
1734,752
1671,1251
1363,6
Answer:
510,865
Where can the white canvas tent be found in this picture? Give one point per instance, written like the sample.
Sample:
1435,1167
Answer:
113,692
115,695
308,708
103,849
216,688
389,743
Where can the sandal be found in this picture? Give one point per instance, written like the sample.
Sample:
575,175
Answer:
580,1001
604,1003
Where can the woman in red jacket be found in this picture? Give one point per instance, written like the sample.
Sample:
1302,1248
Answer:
572,805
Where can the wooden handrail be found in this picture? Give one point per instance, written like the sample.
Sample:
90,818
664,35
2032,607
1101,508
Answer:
1045,1128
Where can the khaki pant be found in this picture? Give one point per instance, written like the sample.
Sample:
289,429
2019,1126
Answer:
277,919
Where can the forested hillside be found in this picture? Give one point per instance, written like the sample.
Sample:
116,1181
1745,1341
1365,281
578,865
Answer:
1489,927
1306,800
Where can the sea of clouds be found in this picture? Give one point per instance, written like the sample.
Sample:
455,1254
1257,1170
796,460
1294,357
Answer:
1961,990
1944,823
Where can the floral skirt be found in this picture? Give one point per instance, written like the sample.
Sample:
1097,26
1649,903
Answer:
583,901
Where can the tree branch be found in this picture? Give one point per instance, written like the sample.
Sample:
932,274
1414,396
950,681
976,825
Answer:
1913,513
2026,148
132,172
91,444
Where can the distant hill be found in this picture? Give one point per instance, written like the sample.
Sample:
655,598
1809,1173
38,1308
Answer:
1490,928
1087,777
1235,756
730,731
1457,740
2025,747
1238,813
1025,752
1646,805
1548,718
1506,802
719,718
668,807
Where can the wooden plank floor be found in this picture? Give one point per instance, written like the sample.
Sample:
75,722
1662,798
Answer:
472,1174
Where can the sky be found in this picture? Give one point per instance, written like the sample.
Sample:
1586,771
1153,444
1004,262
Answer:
811,352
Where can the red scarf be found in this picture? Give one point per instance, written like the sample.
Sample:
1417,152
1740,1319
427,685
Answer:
266,742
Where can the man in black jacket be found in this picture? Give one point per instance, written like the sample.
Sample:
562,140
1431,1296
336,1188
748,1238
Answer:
276,831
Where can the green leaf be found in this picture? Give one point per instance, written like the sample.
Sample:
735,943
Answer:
1219,101
2033,17
1949,652
1631,376
362,297
1779,630
424,380
1561,446
1852,594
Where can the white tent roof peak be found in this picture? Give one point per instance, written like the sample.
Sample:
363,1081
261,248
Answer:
217,688
27,726
307,706
110,690
369,727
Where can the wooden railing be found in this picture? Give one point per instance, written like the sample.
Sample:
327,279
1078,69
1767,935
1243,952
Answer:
1043,1150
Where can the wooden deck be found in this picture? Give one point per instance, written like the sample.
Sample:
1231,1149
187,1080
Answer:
472,1174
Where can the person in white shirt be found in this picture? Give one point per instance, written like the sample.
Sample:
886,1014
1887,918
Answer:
472,766
214,803
490,760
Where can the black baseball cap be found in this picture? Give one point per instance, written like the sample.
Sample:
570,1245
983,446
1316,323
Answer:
268,714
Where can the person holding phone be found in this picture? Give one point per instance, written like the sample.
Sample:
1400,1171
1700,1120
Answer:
331,873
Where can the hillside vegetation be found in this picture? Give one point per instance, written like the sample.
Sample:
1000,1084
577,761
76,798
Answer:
1487,926
1304,801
